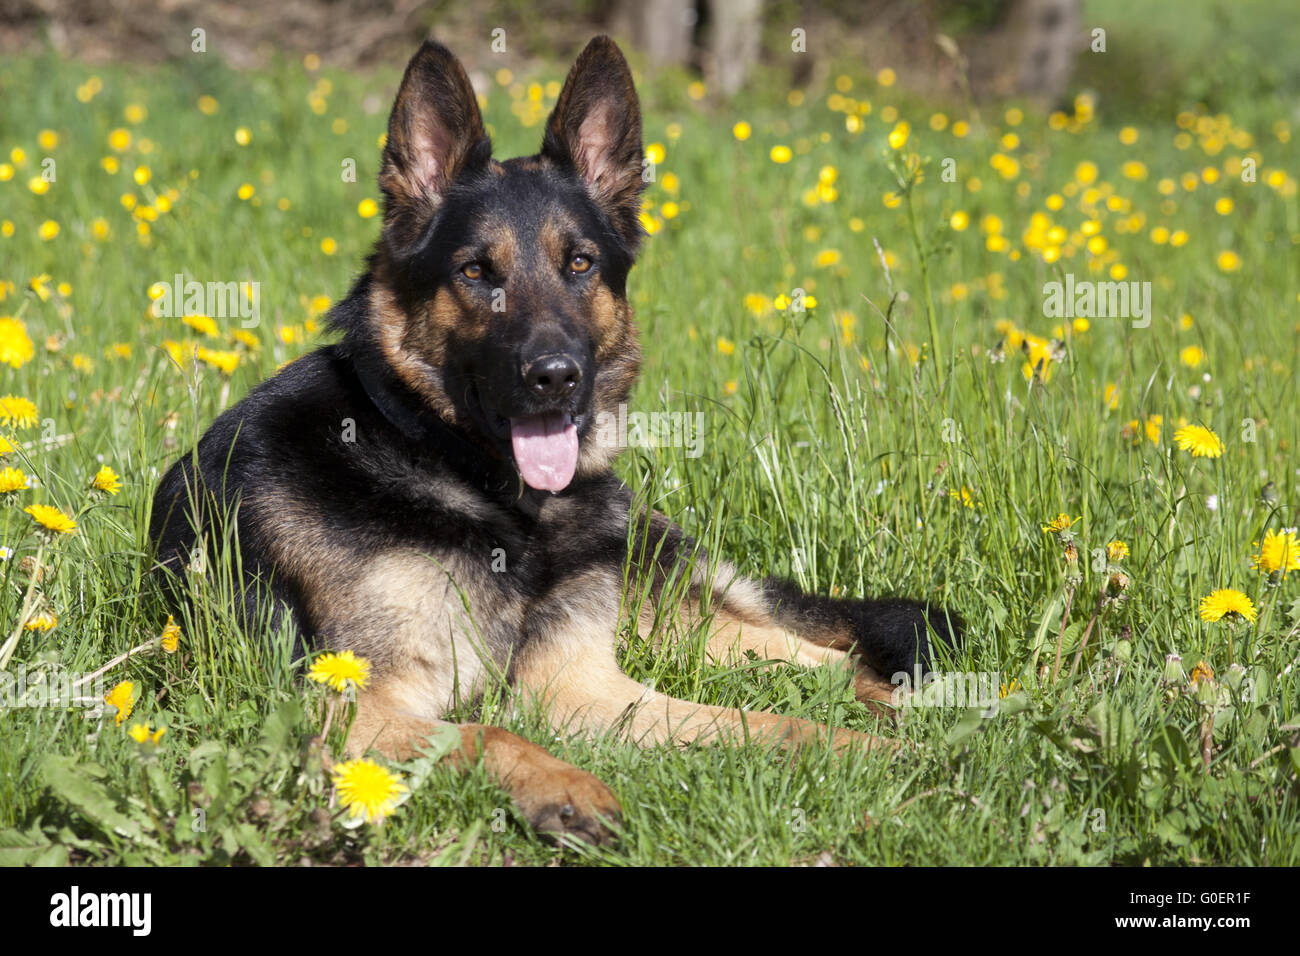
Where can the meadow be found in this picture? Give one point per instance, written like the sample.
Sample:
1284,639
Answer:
848,284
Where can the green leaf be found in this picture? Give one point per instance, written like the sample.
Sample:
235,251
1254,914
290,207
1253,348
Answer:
73,781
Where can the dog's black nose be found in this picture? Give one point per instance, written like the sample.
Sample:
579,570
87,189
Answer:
552,376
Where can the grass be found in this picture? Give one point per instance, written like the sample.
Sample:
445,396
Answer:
836,450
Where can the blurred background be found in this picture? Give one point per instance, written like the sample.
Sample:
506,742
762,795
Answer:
1208,51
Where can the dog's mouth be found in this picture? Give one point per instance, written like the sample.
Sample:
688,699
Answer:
546,449
545,445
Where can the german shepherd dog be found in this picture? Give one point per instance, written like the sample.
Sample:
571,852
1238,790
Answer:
430,492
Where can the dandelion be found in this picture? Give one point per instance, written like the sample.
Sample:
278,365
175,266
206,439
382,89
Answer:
367,208
11,480
1229,261
742,131
726,346
17,412
339,670
1061,523
1201,672
120,697
899,134
1279,552
106,480
141,734
171,636
1201,442
1117,551
45,621
1192,356
52,519
1224,602
781,154
368,790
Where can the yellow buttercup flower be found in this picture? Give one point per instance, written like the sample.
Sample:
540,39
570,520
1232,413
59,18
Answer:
339,670
1278,552
367,789
106,480
1224,602
52,519
120,697
1201,442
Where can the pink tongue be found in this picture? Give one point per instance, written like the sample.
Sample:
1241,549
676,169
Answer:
546,450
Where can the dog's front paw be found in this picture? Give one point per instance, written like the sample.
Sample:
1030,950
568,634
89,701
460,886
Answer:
570,805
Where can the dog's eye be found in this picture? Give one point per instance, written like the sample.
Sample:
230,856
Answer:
579,264
472,271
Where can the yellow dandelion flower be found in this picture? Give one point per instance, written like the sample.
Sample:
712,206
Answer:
1192,356
225,361
45,621
781,154
106,480
52,519
827,257
203,324
1154,427
1061,522
18,412
1225,601
367,208
120,697
899,134
1117,551
1201,672
1229,261
338,670
16,347
11,480
367,789
1278,552
1201,442
742,131
141,734
171,636
726,346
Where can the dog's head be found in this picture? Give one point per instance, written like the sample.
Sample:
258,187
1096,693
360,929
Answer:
497,290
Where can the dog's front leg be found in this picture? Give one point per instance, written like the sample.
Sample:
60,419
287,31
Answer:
568,665
556,798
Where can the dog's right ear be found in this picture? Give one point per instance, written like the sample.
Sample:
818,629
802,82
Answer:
435,133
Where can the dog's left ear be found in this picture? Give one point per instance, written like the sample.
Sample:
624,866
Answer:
596,130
